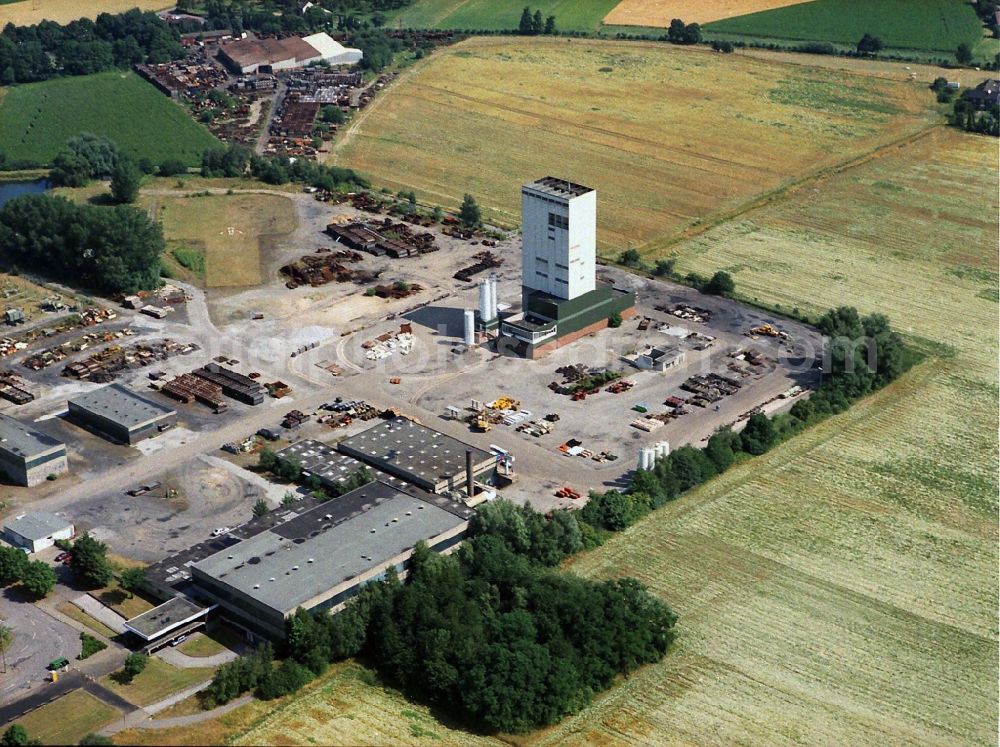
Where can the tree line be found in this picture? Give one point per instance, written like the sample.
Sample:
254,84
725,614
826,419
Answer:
238,161
85,46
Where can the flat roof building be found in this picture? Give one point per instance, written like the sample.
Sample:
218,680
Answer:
37,531
321,558
322,461
420,455
28,456
120,414
162,624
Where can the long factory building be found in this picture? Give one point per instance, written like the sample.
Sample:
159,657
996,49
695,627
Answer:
317,555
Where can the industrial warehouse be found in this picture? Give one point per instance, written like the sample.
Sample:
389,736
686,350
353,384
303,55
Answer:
252,55
120,414
420,455
28,456
321,558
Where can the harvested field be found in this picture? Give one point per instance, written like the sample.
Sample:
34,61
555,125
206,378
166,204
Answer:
29,12
843,588
228,230
571,15
660,132
36,119
925,25
658,13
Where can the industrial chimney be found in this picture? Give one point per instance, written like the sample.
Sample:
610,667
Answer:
470,485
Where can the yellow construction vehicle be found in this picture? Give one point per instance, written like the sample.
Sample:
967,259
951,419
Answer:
483,425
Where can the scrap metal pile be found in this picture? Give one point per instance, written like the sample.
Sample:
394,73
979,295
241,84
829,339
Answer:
486,261
326,267
387,238
107,364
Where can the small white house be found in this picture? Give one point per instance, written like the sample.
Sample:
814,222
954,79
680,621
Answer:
36,531
654,358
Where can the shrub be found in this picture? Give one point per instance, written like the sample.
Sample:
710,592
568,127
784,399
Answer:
89,646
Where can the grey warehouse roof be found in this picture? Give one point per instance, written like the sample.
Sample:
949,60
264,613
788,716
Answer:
322,460
415,449
559,187
23,440
285,573
122,405
38,525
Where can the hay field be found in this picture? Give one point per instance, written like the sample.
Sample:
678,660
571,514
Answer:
571,15
659,13
229,230
36,119
669,136
843,589
29,12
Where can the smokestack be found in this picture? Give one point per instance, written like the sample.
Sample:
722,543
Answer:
470,486
484,300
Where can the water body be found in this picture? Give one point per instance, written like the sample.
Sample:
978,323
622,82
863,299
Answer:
10,190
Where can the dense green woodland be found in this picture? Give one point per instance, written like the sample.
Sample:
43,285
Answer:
107,249
33,53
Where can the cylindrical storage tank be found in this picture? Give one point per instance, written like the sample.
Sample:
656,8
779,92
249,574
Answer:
484,300
470,327
662,449
493,296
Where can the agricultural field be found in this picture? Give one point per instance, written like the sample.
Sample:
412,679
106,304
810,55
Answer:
571,15
68,719
924,25
660,131
843,588
229,232
659,13
29,12
36,119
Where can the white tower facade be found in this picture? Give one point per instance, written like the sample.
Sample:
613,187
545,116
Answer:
559,227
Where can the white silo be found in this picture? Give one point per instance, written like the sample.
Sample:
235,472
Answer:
484,300
662,449
470,327
493,296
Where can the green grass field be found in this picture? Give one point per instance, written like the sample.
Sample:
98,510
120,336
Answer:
571,15
157,681
928,25
68,719
36,119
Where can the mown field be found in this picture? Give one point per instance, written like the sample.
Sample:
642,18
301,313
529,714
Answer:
843,589
659,13
68,719
927,25
28,12
571,15
670,137
36,119
228,230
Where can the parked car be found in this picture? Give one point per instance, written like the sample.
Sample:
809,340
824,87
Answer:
179,640
62,557
220,531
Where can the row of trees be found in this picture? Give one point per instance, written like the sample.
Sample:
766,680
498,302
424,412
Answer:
720,284
107,249
84,46
531,24
238,161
